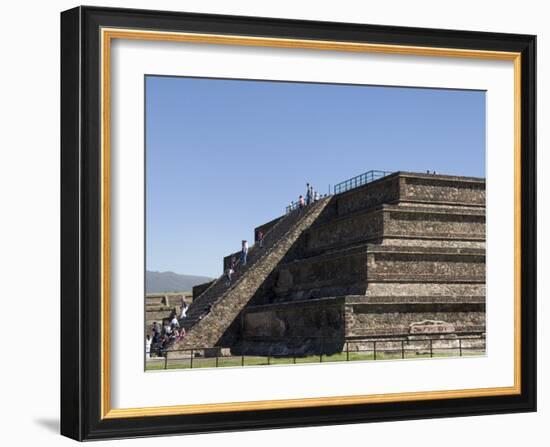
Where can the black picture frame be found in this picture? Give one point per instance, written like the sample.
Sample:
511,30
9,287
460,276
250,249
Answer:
81,224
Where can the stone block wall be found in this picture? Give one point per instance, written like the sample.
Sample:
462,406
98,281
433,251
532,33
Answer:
446,222
354,228
426,265
325,325
298,328
341,273
199,289
394,222
353,271
312,318
385,190
389,321
442,189
428,289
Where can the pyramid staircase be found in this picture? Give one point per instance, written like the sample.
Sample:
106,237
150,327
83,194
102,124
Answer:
216,308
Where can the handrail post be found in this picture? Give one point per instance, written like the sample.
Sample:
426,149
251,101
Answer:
347,351
402,349
431,348
460,346
374,348
192,358
166,360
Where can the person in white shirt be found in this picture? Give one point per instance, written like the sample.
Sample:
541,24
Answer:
148,342
228,275
184,307
174,323
244,252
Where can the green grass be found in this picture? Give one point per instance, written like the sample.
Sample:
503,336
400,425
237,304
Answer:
200,362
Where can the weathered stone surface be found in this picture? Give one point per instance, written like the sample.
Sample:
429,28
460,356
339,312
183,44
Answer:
351,229
442,189
434,290
293,328
445,222
379,262
198,290
425,264
209,329
385,190
388,323
431,327
312,318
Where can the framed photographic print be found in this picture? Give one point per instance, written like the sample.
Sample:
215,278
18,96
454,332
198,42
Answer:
277,223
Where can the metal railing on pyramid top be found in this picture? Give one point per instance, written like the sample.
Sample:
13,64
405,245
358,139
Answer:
360,180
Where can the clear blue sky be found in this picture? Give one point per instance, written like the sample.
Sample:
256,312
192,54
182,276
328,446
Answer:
224,156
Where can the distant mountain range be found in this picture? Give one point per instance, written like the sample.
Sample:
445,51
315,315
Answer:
160,282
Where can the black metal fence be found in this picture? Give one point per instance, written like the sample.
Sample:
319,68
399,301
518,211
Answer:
359,180
356,350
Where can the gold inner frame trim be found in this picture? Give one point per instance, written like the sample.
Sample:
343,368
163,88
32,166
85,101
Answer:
107,35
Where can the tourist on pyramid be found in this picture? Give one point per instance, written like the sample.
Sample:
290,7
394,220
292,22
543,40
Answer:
148,343
228,274
182,334
174,323
184,307
156,332
261,238
244,252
